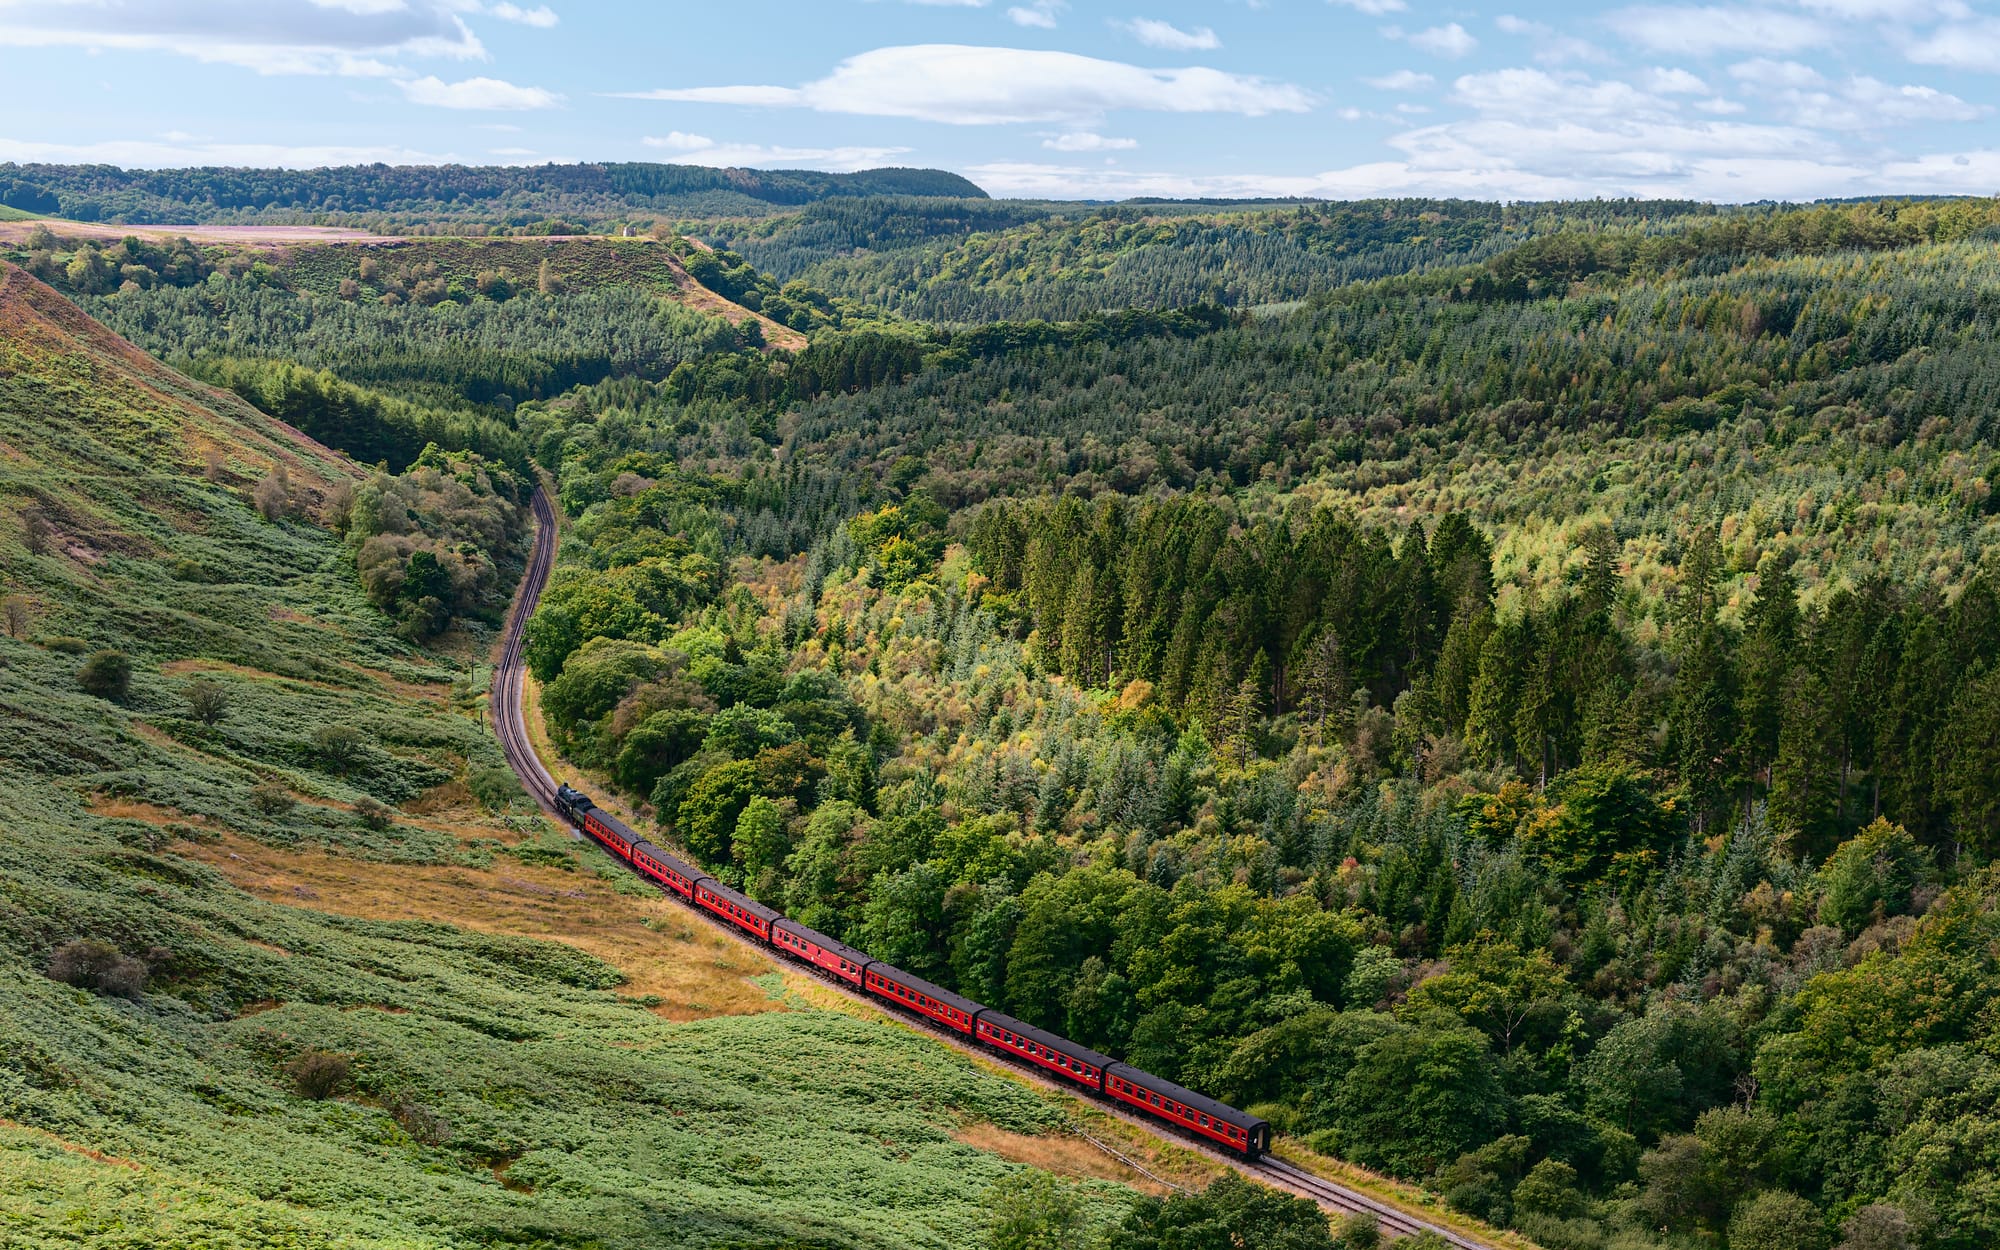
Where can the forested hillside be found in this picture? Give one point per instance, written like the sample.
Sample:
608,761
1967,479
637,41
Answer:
452,199
272,911
1511,695
941,260
1502,722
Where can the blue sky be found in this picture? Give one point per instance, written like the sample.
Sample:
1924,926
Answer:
1074,98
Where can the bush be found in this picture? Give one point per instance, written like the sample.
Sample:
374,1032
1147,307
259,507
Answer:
208,702
65,644
99,966
1550,1188
36,532
495,788
419,1121
1776,1220
273,495
1553,1232
18,612
106,674
1359,1231
374,814
319,1074
272,799
339,747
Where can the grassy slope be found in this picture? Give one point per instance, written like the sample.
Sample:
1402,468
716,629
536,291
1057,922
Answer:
578,1114
583,263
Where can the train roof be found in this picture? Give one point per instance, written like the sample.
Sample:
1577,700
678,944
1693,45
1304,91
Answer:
1187,1097
890,972
751,905
672,861
1059,1044
617,826
814,936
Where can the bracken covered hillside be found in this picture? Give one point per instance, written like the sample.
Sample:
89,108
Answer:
195,690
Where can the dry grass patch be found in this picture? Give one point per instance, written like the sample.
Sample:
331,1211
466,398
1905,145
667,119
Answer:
693,971
1065,1155
452,796
131,809
436,692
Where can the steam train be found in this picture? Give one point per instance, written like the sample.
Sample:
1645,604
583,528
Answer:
1079,1065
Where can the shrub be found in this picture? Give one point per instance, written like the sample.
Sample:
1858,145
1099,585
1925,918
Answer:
494,787
93,965
1776,1220
419,1121
65,644
106,674
36,532
1032,1211
208,702
273,495
375,815
1879,1226
339,746
18,613
1550,1188
1358,1231
272,799
319,1074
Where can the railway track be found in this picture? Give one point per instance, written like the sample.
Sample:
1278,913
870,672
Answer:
510,718
510,724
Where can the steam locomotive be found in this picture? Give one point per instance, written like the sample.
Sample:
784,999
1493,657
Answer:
1079,1065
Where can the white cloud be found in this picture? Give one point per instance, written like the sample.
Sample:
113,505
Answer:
701,150
1041,14
1373,8
270,37
1711,161
1665,81
1966,45
1704,30
175,154
1529,94
476,93
1763,72
1865,103
540,16
1158,34
1800,95
679,141
1449,40
1886,10
1550,47
747,96
1401,80
973,86
1087,141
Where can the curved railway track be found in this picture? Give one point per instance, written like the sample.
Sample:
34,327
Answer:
510,718
511,726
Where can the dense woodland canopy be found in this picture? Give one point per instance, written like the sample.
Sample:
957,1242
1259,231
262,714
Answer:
1521,715
455,196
